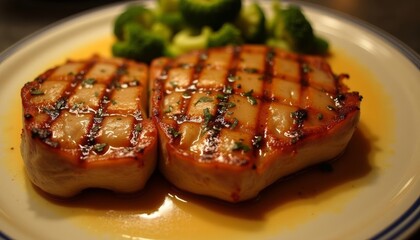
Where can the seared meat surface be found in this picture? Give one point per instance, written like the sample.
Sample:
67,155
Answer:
85,125
233,120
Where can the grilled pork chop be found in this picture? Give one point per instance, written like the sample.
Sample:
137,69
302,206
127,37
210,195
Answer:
233,120
85,126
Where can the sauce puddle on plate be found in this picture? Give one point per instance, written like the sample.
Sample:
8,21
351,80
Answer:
161,211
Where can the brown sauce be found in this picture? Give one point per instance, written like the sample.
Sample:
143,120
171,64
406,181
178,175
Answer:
161,211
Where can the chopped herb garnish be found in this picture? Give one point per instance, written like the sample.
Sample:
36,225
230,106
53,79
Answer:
207,116
76,106
299,116
28,116
96,94
320,116
203,100
234,123
341,97
99,113
251,99
36,91
256,141
51,143
251,70
173,84
138,128
89,81
186,94
99,147
113,102
169,109
95,128
41,133
220,96
226,105
117,85
173,132
240,146
228,90
306,68
52,112
122,71
270,55
232,78
60,104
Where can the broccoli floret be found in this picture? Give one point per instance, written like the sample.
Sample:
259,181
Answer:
251,22
321,45
290,25
139,44
167,12
193,39
278,43
135,13
228,34
168,6
200,13
162,30
174,20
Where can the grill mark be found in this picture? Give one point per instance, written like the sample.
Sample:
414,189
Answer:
218,121
89,142
297,133
61,104
186,95
138,118
262,136
158,89
303,72
261,128
192,88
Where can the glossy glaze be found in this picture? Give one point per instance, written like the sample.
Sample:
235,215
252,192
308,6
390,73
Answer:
162,212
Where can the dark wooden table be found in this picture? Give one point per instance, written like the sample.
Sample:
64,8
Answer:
20,18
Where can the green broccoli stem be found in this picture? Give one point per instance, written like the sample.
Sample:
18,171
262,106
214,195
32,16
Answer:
188,39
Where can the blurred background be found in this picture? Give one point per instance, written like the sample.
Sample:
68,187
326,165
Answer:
20,18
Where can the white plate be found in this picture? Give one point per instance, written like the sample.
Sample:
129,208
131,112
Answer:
379,200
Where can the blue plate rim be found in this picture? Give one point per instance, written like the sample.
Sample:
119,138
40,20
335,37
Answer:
406,222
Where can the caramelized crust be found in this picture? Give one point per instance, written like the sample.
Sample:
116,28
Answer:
85,125
233,120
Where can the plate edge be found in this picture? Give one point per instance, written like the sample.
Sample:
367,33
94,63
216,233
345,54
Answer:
396,228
